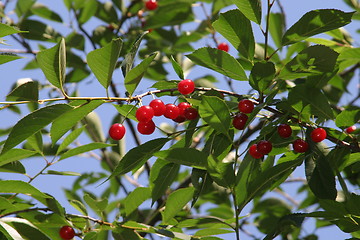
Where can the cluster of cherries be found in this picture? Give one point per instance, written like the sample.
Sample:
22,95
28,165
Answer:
67,233
264,147
144,114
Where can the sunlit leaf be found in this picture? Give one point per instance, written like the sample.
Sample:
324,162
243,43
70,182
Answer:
135,198
250,8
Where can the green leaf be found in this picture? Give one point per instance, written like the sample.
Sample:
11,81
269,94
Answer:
277,27
347,118
176,201
36,142
52,62
250,8
7,30
95,204
4,58
138,156
173,13
315,22
82,149
63,173
212,231
162,174
127,110
177,68
185,156
79,206
222,173
89,9
14,167
219,61
9,232
16,186
68,120
15,155
216,113
69,139
312,61
128,62
135,199
32,123
322,180
28,91
349,57
310,99
44,12
262,75
236,28
133,77
103,61
23,7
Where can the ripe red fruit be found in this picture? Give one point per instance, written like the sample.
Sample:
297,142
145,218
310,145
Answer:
179,119
300,146
171,111
246,106
318,134
239,121
182,106
186,86
67,232
158,106
151,4
191,113
117,131
350,129
264,147
223,46
146,128
284,130
254,152
144,113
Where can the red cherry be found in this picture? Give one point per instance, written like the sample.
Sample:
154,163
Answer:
158,106
350,129
223,46
144,113
254,152
246,106
117,131
191,113
239,121
300,146
171,111
284,130
318,134
186,86
146,128
67,232
151,4
182,106
264,147
180,119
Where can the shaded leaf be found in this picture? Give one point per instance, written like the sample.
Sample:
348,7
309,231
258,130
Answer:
138,156
162,174
133,77
28,91
236,28
32,123
16,186
177,68
219,61
44,12
216,113
315,22
63,124
277,27
82,149
262,75
185,156
176,201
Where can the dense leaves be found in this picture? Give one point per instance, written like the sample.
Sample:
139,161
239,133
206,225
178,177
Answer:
192,177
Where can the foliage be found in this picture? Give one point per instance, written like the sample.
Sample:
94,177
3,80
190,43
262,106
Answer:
199,176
